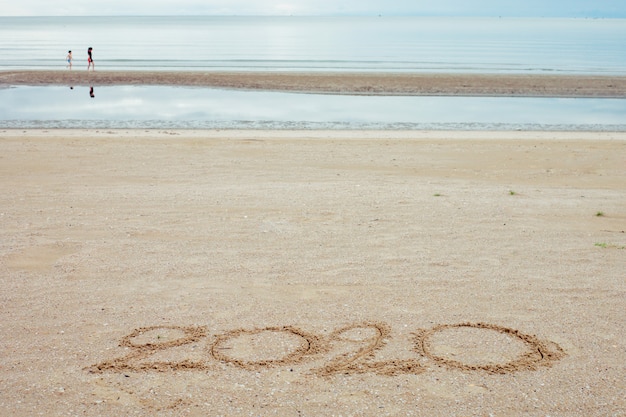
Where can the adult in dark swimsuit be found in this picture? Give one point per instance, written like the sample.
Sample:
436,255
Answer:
90,62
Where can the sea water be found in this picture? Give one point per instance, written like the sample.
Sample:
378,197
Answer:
333,44
382,44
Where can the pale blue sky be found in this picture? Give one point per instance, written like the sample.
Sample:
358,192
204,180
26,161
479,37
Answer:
530,8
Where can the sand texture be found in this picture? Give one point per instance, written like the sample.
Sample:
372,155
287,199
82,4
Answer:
519,85
243,273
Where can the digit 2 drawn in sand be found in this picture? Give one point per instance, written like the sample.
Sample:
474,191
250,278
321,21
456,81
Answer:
134,361
371,337
353,349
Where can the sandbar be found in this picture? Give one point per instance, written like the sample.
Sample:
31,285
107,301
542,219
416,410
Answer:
427,84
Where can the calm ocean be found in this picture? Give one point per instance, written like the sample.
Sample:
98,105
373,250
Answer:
414,44
382,44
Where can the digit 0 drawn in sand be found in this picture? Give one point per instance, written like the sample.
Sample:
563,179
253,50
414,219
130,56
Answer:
270,346
532,354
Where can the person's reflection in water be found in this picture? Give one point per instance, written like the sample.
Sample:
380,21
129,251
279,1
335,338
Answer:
91,92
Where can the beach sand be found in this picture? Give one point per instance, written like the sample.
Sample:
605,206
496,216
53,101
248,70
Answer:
509,85
243,273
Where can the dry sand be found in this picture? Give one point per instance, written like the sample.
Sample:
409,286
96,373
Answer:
516,85
234,273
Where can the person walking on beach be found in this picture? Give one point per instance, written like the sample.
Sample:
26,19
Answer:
68,58
90,62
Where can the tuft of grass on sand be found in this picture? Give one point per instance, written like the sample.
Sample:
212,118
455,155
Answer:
609,245
600,214
511,192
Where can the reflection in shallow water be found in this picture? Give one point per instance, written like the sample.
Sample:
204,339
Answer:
176,107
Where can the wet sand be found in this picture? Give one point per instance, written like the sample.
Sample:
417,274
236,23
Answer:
343,83
312,273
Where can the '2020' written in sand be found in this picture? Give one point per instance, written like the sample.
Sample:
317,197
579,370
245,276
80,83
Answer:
347,350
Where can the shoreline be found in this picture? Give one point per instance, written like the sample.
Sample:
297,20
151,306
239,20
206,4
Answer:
361,134
358,83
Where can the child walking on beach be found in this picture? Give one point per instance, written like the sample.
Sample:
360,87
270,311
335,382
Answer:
90,62
68,58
